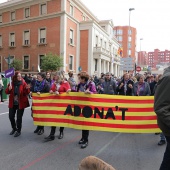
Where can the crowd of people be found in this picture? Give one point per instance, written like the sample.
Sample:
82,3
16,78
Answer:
21,89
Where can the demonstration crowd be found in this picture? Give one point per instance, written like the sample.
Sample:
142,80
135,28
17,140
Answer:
139,85
22,87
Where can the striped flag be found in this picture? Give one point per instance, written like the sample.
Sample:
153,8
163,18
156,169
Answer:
127,114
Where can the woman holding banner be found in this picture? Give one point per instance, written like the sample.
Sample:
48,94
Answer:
18,101
88,88
40,85
59,86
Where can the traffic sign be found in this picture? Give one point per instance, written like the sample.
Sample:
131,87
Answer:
126,64
138,68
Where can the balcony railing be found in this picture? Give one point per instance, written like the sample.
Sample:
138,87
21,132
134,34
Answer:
101,50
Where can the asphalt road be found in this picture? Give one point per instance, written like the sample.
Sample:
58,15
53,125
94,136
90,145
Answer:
30,152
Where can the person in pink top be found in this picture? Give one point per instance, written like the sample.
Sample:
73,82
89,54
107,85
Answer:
58,87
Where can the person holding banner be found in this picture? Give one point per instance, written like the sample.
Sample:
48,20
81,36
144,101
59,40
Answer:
40,85
58,87
18,101
88,88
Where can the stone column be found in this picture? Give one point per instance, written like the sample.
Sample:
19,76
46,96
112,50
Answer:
111,68
104,66
99,67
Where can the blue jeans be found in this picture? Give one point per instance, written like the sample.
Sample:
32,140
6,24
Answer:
166,159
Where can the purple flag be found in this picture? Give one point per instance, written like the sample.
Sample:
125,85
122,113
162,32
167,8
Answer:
9,73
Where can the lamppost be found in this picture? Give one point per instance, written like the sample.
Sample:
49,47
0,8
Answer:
9,60
130,9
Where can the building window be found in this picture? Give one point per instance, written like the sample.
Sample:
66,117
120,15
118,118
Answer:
26,62
71,36
40,60
129,45
110,48
26,38
0,18
84,18
129,52
105,45
103,27
71,10
119,32
129,39
12,40
96,40
13,16
129,32
101,42
71,63
0,40
95,65
43,9
42,39
119,38
27,12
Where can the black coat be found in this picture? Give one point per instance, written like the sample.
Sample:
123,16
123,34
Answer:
121,90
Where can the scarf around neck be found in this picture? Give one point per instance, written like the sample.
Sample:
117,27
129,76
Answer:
39,85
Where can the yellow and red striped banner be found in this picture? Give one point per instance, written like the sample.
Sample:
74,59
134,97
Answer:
113,113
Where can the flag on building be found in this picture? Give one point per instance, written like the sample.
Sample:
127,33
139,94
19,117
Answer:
120,51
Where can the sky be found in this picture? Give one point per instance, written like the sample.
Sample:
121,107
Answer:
151,18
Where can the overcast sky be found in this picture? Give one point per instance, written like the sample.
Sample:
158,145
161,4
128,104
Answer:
151,18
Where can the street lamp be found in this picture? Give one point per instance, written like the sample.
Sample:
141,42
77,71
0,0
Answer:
140,51
9,60
140,43
130,9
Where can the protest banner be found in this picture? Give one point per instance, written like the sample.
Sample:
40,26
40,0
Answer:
112,113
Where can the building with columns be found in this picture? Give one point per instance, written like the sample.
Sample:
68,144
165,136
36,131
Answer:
30,29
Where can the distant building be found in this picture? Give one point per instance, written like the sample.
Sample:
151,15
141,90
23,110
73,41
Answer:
158,57
29,29
142,59
127,39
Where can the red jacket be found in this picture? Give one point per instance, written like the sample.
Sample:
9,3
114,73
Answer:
23,92
64,86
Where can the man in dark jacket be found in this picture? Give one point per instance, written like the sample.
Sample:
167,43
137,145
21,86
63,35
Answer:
109,85
162,109
125,87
